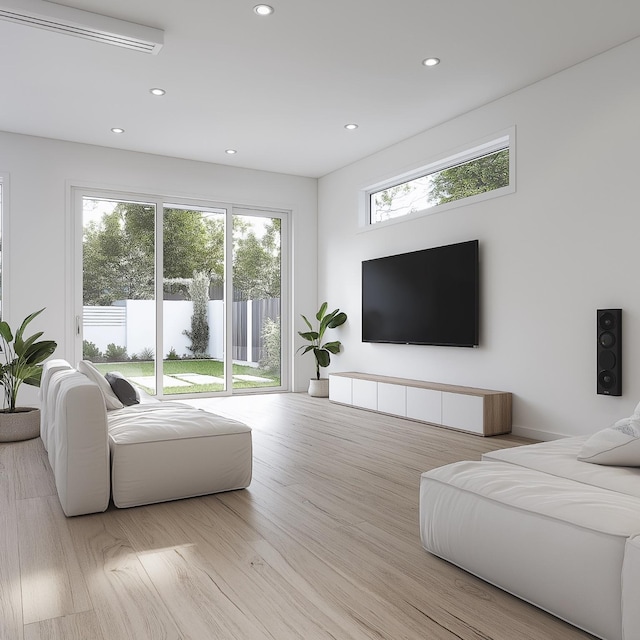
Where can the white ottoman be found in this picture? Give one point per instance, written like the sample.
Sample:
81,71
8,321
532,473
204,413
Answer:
168,450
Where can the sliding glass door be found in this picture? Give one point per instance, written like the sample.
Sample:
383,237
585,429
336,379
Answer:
181,299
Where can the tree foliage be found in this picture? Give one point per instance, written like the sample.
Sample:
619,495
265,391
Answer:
256,263
199,334
119,253
468,179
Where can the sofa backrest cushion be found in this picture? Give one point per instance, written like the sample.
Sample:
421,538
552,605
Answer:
617,446
110,399
46,414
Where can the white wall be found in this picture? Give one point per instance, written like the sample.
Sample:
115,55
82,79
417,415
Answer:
37,231
565,244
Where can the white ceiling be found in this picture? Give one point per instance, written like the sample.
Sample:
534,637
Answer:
280,89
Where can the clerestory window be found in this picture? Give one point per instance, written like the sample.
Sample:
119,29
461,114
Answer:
485,170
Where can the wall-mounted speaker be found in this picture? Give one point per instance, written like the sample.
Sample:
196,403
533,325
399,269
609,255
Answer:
609,351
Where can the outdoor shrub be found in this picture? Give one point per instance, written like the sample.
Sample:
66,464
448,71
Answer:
270,360
172,355
91,352
114,353
147,354
199,334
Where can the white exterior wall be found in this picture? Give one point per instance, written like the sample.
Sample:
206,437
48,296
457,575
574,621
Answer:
562,246
138,331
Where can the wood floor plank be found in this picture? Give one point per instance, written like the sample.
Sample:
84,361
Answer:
52,583
78,626
10,593
34,477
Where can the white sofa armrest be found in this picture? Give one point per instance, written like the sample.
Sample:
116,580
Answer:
80,448
631,589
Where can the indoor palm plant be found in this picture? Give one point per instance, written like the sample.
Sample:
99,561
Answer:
322,350
21,362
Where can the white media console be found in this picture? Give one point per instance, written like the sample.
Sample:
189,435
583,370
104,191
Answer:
479,411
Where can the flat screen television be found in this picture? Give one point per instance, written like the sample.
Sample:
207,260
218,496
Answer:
423,297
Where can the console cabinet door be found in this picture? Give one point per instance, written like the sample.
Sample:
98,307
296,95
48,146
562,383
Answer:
364,393
392,398
340,389
424,404
463,411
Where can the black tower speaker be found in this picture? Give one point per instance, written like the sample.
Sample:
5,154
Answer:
609,351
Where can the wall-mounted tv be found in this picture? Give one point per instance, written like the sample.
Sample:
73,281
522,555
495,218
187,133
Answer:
423,297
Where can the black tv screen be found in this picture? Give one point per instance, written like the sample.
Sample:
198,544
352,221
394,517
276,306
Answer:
423,297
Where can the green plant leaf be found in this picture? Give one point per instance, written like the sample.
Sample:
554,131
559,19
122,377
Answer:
333,347
306,348
322,357
39,352
321,311
308,335
338,319
21,346
34,379
308,323
25,322
5,331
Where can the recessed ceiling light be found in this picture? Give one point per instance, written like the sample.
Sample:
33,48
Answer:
156,91
351,126
230,151
263,9
431,62
117,130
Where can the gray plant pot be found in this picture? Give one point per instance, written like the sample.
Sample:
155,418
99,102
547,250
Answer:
23,424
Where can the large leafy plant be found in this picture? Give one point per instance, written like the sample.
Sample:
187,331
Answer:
22,361
322,351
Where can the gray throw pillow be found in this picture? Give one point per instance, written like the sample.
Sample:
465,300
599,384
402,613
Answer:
124,390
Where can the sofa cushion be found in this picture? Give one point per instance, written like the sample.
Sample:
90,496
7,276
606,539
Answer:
560,458
618,445
168,450
110,399
124,390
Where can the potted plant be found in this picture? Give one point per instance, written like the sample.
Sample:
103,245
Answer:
22,362
319,387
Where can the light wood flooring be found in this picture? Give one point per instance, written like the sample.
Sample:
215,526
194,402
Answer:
323,544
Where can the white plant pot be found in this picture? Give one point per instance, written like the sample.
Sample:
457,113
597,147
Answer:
319,388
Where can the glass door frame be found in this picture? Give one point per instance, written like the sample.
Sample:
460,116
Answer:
75,281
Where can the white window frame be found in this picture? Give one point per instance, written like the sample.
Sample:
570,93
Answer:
6,245
505,139
74,262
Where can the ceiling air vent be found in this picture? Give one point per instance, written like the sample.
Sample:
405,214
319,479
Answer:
82,24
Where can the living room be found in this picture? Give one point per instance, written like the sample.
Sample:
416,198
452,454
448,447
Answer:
555,250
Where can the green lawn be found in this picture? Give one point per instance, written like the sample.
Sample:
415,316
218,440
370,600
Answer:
133,369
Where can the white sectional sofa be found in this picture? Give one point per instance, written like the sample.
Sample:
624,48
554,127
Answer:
555,530
139,454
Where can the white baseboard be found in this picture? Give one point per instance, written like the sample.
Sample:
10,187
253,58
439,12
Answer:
536,434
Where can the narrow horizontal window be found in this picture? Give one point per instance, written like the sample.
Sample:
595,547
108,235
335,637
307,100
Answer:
481,170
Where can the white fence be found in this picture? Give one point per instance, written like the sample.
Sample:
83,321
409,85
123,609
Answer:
132,324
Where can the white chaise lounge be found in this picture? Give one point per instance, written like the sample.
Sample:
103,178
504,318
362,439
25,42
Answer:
139,454
559,532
